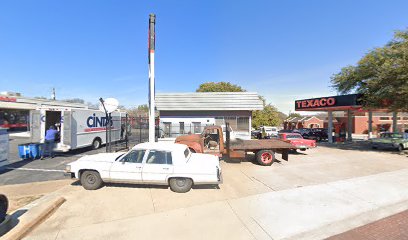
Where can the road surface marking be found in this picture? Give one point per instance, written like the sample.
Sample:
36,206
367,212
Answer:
36,169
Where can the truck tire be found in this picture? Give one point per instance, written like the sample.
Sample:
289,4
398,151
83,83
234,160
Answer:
96,144
265,157
91,180
180,185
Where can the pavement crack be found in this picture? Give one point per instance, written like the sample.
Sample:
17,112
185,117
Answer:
151,198
243,223
257,223
264,184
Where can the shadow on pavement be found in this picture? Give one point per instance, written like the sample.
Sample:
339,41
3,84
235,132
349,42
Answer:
131,185
19,164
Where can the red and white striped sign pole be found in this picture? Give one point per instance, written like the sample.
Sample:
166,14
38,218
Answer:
152,39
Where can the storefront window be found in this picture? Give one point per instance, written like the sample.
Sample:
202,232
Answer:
14,120
242,123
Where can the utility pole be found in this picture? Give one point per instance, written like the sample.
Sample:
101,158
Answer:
53,94
152,39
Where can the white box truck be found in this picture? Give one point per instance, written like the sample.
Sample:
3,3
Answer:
78,127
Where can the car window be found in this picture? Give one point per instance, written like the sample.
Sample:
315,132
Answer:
186,153
293,136
135,156
159,157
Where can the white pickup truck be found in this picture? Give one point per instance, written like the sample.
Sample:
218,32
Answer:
148,163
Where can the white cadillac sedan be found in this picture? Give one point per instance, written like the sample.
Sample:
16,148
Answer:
148,163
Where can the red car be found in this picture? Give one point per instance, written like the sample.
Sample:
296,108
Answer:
297,140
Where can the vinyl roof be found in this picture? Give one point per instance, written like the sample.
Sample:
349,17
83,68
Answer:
165,146
215,101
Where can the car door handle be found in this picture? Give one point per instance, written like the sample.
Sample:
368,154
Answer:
166,168
138,167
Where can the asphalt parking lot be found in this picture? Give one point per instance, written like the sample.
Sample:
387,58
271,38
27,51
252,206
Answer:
25,171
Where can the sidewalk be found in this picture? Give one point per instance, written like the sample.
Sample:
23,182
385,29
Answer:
313,212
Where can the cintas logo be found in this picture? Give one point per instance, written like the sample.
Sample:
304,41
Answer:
95,123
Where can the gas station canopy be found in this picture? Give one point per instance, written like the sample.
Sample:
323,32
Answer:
332,103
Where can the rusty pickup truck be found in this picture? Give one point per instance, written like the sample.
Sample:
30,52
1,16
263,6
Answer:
211,141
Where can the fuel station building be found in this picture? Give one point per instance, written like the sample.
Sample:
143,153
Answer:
350,117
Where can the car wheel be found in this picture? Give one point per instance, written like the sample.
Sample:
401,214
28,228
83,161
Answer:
265,157
91,180
180,185
400,148
318,139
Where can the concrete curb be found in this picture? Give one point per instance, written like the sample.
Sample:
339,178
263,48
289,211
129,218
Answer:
36,213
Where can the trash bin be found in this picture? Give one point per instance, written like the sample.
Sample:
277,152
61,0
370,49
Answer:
24,151
35,150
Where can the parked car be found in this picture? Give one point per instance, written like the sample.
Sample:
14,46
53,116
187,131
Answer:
255,133
148,163
390,140
269,131
285,131
298,141
319,134
3,207
306,133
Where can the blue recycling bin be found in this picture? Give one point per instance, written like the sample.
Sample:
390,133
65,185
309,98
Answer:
35,150
24,151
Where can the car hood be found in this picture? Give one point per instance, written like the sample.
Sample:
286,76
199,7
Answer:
100,157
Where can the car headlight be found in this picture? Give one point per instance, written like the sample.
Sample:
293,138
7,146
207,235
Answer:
68,168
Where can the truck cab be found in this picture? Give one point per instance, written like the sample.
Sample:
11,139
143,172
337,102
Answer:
211,141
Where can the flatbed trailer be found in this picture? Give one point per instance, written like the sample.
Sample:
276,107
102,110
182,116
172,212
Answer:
212,141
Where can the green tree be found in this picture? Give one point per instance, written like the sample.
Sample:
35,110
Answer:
219,87
269,116
381,76
294,115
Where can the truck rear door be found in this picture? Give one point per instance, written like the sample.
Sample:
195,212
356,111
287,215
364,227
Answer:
67,122
35,126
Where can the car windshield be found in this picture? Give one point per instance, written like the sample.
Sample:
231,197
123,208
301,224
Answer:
293,136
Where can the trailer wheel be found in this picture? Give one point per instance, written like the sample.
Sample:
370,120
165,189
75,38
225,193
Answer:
265,157
96,143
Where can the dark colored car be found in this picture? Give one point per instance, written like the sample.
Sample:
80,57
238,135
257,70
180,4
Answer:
319,134
286,131
3,207
306,133
255,133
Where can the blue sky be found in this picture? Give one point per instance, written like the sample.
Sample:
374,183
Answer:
284,50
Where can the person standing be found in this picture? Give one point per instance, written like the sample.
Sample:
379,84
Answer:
50,136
